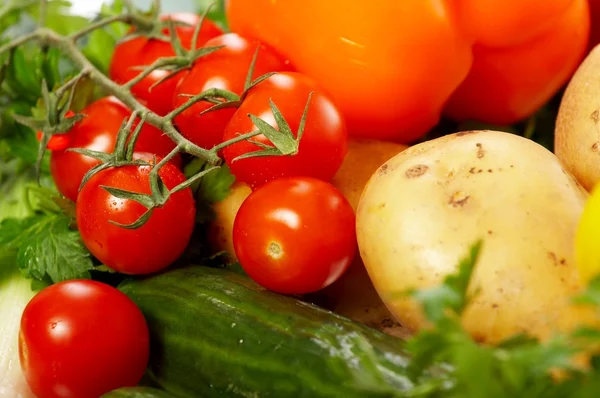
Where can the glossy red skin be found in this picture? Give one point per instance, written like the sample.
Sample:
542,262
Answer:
322,146
98,132
310,221
225,69
58,142
142,51
81,339
149,248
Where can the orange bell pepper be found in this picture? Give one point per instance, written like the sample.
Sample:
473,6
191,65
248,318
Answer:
394,66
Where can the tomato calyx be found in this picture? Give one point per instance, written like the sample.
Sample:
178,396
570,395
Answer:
58,120
183,59
283,140
123,155
159,196
60,140
221,98
282,137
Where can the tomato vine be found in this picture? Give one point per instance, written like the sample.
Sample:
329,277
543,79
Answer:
58,101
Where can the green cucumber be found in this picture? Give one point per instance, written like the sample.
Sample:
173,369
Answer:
137,392
215,333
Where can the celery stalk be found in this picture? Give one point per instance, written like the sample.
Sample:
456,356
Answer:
15,293
15,290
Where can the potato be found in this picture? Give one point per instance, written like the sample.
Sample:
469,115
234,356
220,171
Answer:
221,229
353,294
423,209
577,133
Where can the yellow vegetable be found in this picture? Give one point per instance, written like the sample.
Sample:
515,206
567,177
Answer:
421,211
587,241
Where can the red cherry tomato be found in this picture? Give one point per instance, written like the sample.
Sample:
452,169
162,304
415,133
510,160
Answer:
98,131
142,51
81,339
322,147
295,235
58,142
224,69
149,248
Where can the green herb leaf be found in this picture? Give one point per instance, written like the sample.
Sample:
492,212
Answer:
47,248
214,186
216,12
452,294
211,188
99,48
104,268
592,294
20,195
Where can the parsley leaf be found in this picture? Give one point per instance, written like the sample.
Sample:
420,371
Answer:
591,295
216,185
35,235
452,294
216,12
99,45
522,366
47,248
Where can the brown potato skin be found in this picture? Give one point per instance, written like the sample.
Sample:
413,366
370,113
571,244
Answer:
577,132
353,295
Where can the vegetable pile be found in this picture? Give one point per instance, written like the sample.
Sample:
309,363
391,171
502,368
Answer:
300,199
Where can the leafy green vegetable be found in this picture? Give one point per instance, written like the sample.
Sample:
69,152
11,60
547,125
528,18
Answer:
213,187
10,13
47,248
15,293
592,294
519,367
30,65
453,293
35,234
216,12
216,185
100,43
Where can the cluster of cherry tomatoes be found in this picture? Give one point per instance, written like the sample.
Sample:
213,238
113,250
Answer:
294,234
164,237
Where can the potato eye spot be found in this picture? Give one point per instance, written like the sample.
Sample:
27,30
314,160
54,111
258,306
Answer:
595,116
480,150
463,133
383,170
458,199
416,171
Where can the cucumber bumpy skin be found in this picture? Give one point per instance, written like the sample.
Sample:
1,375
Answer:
215,333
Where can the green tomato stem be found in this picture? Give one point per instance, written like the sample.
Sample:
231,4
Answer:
241,137
125,18
210,93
